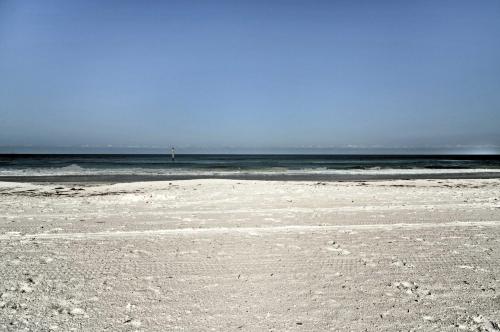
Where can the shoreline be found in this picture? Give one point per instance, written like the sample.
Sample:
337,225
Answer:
107,179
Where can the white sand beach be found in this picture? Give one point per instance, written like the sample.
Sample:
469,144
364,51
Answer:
225,255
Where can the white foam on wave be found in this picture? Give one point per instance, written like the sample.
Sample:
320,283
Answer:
396,171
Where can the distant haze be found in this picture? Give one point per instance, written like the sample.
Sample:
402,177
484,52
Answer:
250,76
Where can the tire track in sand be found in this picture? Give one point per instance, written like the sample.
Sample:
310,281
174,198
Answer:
244,230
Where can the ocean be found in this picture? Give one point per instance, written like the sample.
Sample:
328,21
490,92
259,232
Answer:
138,167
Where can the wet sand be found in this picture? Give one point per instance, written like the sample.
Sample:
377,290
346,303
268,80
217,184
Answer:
216,254
362,176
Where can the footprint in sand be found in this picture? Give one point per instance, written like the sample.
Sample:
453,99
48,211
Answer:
408,287
402,263
335,247
339,251
133,322
479,323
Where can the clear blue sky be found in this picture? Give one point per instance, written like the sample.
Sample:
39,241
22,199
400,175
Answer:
250,74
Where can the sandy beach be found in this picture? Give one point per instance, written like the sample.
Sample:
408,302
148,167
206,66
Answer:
226,255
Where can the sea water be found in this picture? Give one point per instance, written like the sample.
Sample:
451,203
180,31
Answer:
224,165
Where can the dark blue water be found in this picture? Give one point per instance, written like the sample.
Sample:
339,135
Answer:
227,165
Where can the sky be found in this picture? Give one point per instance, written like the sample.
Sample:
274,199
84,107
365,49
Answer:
250,75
